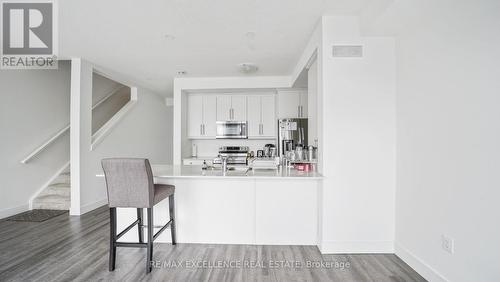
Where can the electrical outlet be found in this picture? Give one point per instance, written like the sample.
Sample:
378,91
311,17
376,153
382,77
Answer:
447,244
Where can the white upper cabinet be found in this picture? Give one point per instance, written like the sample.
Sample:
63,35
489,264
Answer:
209,115
224,111
254,115
231,107
201,116
292,104
195,115
204,110
261,116
269,121
239,106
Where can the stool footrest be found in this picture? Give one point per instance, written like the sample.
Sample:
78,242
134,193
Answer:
131,245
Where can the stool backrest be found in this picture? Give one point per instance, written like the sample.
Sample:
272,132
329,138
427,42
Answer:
129,182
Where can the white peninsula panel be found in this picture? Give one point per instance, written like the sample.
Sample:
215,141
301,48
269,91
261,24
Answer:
286,212
215,211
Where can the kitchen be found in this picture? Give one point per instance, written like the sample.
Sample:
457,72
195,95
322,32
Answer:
248,169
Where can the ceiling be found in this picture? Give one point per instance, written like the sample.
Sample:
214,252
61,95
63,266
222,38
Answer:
150,41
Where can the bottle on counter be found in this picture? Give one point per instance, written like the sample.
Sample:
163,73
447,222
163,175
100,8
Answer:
310,152
194,150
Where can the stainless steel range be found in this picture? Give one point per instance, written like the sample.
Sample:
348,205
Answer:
235,155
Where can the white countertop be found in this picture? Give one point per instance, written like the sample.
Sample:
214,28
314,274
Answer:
180,171
199,158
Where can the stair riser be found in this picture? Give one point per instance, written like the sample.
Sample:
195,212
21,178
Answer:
62,179
62,194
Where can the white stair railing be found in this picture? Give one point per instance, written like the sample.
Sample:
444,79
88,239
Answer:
102,132
97,137
109,95
45,145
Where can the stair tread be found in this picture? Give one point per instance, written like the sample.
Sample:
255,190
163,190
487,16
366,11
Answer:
60,185
52,197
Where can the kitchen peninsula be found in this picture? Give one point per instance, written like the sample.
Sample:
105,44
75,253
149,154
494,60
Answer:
238,207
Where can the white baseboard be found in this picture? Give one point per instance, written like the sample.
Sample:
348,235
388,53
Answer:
418,264
357,247
92,206
15,210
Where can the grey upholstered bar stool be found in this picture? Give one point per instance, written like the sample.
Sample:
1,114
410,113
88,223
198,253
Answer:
130,185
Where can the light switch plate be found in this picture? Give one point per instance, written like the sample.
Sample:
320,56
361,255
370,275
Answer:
448,244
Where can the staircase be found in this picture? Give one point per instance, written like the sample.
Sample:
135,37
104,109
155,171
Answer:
57,195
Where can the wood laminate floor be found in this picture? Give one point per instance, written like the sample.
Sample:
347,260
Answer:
68,248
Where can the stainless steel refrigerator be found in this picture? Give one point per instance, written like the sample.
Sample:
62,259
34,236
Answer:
291,132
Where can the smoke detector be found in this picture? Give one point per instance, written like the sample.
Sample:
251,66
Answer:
248,68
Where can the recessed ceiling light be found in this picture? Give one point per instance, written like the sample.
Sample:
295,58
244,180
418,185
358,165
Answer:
248,68
250,35
169,36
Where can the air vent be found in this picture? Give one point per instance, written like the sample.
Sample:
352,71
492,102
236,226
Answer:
347,51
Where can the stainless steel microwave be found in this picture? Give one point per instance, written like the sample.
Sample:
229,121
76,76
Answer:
232,130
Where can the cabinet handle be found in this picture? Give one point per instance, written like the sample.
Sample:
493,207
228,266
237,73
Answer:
201,129
261,129
298,111
301,111
204,129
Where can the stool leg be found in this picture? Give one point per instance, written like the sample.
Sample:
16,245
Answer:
139,226
171,208
150,241
112,238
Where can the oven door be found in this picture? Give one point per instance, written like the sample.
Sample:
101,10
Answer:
232,130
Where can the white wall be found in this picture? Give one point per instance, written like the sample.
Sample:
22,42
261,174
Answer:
356,134
103,110
145,131
34,106
359,141
448,136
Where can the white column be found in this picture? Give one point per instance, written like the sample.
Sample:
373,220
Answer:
81,127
